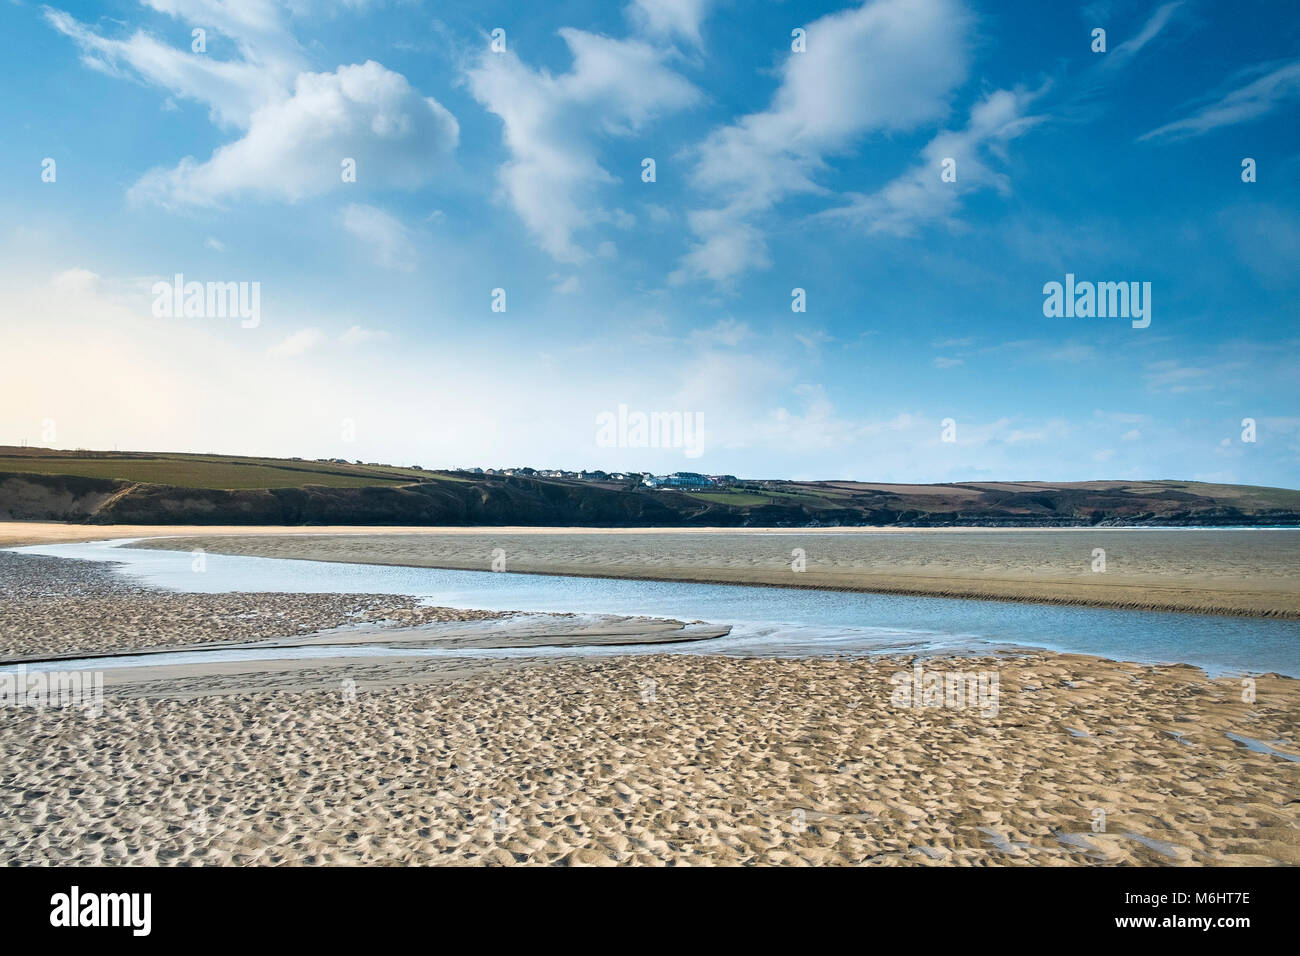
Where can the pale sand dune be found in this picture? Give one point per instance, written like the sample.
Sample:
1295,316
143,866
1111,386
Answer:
1249,573
659,760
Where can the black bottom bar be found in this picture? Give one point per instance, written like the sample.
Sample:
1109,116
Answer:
336,905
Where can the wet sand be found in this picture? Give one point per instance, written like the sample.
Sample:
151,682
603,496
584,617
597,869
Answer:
1245,573
51,607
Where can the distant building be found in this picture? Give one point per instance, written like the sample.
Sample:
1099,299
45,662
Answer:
687,479
678,479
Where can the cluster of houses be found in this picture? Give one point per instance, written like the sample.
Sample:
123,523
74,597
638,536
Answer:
678,479
688,479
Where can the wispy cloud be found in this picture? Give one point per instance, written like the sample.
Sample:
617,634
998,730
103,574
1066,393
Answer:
1171,375
357,336
1120,55
1256,99
389,241
728,332
922,195
299,343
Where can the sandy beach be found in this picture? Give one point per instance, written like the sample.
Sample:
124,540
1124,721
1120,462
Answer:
1247,573
657,759
662,760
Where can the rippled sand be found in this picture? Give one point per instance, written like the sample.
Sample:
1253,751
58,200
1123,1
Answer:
664,760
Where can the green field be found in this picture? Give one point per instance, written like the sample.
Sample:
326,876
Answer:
198,471
737,498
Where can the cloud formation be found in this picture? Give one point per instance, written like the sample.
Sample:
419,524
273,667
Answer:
297,126
552,127
922,195
887,66
670,18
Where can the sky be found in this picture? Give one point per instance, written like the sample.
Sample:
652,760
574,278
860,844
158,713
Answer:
821,231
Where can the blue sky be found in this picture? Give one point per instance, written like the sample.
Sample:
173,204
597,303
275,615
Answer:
521,169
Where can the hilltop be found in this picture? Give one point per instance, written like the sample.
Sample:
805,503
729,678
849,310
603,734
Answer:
173,488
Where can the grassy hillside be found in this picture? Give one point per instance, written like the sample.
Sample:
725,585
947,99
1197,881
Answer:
202,471
149,488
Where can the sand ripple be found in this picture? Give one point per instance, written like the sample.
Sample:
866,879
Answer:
665,760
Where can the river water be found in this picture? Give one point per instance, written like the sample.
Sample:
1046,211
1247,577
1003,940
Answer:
764,620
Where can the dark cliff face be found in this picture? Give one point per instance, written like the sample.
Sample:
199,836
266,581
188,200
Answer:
55,497
533,502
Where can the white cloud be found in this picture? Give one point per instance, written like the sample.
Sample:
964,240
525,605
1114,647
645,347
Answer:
1252,101
216,245
294,147
297,126
389,241
942,361
300,342
670,18
886,66
659,215
567,285
728,332
356,336
74,283
614,88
